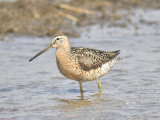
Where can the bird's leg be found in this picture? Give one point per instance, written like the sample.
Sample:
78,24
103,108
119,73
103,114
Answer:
81,90
99,85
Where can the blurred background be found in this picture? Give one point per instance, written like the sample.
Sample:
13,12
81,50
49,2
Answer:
38,91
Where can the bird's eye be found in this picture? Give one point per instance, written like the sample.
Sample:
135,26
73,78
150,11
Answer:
57,39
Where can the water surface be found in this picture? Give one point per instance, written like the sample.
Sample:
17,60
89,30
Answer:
36,90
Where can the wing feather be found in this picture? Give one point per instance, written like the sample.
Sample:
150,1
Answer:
91,58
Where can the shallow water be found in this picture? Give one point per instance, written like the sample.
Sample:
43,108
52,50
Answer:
36,90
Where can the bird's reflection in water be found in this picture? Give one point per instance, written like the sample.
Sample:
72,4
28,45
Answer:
90,106
81,101
81,108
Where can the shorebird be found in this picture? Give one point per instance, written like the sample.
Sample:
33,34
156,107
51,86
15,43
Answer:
81,64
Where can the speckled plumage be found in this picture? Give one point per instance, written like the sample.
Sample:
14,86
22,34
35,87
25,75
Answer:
91,58
81,64
84,64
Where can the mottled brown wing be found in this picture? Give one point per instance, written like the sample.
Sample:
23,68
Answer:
92,59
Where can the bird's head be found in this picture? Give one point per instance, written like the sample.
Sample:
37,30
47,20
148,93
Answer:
59,41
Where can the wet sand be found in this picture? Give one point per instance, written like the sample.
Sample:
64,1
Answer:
46,17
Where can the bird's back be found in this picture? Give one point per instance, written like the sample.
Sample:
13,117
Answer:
91,58
85,64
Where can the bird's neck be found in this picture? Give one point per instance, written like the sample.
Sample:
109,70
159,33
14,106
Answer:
64,50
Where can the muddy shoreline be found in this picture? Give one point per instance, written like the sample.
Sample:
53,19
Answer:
45,17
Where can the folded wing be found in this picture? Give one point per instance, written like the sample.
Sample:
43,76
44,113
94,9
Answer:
91,59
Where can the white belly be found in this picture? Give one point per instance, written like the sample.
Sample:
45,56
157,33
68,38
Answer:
94,74
72,70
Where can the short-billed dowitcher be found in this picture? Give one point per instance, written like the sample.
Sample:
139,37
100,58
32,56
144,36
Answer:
81,64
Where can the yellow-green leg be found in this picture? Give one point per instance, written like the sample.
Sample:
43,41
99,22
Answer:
81,90
99,85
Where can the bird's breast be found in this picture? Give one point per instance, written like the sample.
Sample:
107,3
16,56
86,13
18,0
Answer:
67,65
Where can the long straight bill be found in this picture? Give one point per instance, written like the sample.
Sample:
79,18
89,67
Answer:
41,52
